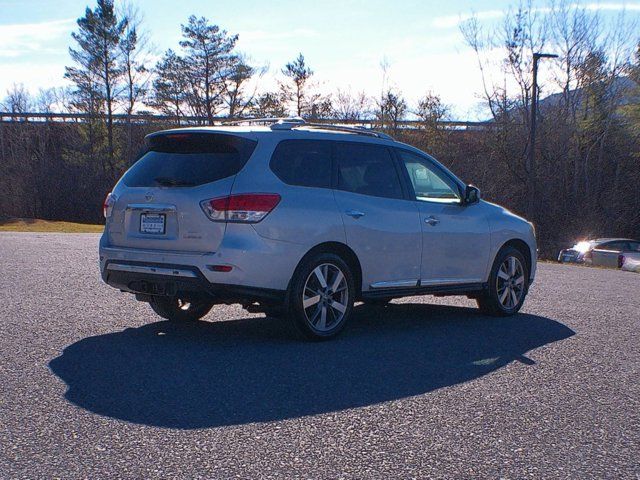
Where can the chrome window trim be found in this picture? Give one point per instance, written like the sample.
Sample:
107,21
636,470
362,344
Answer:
153,207
395,284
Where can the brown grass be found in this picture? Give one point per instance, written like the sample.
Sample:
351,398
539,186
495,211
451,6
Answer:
38,225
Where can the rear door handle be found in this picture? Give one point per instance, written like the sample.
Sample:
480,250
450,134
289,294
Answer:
354,213
431,220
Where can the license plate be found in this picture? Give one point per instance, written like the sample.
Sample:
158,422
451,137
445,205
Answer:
153,223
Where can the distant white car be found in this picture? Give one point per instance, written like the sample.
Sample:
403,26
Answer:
612,252
631,262
605,252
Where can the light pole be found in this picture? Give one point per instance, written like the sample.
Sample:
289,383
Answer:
530,163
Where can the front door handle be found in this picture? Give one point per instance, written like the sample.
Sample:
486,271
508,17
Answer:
431,220
354,213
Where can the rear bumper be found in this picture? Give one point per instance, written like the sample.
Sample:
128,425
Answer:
569,257
258,265
163,279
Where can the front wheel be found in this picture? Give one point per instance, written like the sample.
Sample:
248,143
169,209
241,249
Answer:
179,309
508,284
321,296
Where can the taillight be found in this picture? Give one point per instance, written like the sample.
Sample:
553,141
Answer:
243,208
620,260
107,206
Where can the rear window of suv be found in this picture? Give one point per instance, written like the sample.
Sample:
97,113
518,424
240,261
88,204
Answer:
189,159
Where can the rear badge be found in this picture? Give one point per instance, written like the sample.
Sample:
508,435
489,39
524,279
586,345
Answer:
148,196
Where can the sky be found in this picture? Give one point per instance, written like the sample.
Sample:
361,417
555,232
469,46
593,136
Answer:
344,41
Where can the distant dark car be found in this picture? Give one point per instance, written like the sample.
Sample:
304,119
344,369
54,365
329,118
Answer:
576,253
606,252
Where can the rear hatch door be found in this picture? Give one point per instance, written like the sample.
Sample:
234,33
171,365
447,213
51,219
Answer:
157,201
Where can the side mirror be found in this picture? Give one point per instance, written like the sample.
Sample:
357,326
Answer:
471,195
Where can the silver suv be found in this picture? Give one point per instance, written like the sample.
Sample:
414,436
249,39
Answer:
301,220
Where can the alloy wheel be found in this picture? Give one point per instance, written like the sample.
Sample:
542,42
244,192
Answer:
510,282
325,297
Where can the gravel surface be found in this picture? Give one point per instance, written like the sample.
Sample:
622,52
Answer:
93,385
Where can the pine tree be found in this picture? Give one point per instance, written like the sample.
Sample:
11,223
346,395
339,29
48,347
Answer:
170,85
208,63
299,75
98,69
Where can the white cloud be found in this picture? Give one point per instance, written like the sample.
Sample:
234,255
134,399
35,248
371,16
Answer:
452,75
26,38
616,7
452,21
263,36
32,76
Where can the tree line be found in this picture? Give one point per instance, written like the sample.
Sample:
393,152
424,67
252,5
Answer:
584,180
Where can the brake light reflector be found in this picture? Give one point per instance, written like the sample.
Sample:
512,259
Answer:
242,208
220,268
178,136
107,206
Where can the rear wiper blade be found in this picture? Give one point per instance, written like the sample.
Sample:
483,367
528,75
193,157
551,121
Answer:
172,182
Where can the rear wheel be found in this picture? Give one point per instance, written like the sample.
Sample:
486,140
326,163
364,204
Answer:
508,284
321,296
180,309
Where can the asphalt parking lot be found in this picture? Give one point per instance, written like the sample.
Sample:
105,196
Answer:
93,385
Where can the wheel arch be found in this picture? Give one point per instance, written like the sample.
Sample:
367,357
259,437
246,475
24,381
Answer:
344,252
522,247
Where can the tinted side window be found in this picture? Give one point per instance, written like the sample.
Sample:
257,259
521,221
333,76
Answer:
367,169
306,163
619,246
634,246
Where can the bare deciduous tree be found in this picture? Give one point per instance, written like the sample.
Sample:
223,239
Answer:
18,100
391,108
580,142
431,112
351,107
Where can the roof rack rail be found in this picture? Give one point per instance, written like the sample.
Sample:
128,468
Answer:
342,128
266,120
289,123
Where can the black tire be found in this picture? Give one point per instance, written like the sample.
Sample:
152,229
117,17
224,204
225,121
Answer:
181,309
309,321
489,302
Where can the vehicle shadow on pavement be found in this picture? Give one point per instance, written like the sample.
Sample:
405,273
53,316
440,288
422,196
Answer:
209,374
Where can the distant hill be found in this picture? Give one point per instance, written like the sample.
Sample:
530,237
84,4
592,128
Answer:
625,89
